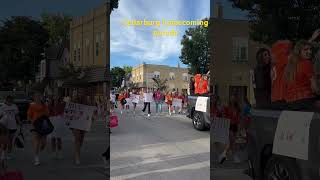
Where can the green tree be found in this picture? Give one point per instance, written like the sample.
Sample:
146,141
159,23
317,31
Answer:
127,70
160,84
271,20
57,26
22,41
195,50
117,75
114,4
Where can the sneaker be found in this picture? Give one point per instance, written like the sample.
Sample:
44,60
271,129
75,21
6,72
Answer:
36,161
222,157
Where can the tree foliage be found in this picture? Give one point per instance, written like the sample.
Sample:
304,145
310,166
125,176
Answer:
114,4
117,75
127,70
160,84
22,40
57,26
195,50
271,20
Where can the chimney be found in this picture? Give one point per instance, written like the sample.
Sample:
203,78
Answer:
218,10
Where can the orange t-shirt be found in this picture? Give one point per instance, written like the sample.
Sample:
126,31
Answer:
280,53
197,79
300,88
121,96
204,88
169,99
35,111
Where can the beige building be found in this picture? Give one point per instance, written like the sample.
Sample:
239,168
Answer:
178,78
234,56
90,51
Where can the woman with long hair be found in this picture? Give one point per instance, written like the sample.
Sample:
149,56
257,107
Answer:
36,110
169,99
300,78
262,78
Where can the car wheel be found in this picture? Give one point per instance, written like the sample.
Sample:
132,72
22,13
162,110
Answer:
198,121
281,169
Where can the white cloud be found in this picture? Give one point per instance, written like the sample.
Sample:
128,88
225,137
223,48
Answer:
138,42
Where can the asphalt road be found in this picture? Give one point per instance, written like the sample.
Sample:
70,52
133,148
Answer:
91,166
164,147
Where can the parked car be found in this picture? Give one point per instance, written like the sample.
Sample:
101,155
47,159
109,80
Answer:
200,120
265,165
20,99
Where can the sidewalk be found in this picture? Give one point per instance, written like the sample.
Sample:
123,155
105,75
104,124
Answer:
91,167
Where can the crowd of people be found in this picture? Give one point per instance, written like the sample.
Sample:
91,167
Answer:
286,77
52,108
199,84
158,97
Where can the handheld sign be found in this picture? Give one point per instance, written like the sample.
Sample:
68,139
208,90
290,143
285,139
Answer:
79,116
292,134
135,98
177,102
201,104
148,97
220,130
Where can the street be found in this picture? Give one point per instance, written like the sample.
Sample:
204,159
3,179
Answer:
163,147
91,166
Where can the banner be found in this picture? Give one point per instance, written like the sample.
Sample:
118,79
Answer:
135,98
292,134
148,97
201,104
220,130
79,116
177,102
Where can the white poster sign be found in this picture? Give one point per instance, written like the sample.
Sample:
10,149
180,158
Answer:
220,130
177,102
135,98
148,97
79,116
292,134
201,104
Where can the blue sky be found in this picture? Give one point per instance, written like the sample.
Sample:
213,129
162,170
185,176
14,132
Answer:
133,45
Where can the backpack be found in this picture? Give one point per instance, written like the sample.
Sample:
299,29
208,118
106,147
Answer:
43,125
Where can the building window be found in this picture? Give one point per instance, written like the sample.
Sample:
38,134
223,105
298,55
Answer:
171,75
75,55
240,49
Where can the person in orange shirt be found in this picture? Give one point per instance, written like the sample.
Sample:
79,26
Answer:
197,79
280,53
36,110
169,99
122,97
204,85
300,77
